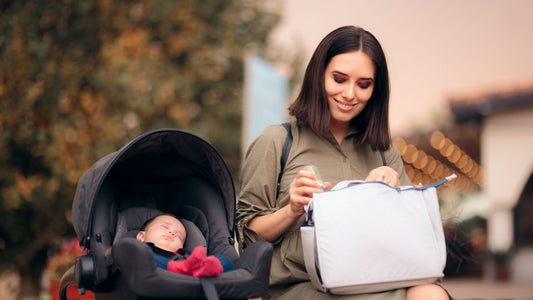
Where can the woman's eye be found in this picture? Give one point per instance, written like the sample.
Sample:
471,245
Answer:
365,85
338,79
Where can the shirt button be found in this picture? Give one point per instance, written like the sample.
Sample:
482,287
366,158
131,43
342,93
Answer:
344,159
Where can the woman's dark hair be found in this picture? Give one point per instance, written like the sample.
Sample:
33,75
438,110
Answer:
311,106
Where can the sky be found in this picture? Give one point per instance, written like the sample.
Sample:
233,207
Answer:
436,50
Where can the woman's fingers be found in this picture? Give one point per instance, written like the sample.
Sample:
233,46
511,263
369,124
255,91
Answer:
384,174
301,191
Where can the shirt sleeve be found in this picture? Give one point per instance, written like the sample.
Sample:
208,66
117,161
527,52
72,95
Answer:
394,160
258,182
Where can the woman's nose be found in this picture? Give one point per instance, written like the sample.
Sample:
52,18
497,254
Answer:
349,92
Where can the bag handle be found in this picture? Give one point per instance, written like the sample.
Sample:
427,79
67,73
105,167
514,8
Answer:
308,242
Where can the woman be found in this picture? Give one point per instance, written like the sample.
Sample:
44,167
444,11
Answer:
341,127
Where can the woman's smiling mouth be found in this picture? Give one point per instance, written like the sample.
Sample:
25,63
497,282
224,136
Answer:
344,106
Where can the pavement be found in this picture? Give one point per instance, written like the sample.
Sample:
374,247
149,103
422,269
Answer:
477,289
461,288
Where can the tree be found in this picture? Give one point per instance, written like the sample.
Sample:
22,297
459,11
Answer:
78,79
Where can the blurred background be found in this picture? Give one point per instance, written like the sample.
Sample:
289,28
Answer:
79,79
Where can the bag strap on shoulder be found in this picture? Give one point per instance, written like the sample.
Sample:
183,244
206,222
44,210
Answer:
285,152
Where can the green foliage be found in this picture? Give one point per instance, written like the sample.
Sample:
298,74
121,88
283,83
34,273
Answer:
78,79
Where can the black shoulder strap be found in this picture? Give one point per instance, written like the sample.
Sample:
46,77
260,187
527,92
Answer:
383,158
286,146
285,152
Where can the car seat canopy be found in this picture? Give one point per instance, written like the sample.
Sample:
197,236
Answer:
153,158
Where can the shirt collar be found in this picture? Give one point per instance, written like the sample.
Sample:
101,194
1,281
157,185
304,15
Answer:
352,132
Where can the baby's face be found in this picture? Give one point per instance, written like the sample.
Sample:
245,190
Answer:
166,232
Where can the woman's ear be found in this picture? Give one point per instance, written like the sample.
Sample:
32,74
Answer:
140,236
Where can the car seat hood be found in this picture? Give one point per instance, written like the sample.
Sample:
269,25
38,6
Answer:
170,142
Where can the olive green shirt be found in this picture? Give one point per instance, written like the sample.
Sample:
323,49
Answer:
258,185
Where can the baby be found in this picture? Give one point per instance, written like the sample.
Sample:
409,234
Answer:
165,234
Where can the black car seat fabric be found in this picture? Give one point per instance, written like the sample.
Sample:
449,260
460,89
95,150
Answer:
198,197
169,171
143,280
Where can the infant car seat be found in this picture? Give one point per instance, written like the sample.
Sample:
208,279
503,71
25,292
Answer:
168,171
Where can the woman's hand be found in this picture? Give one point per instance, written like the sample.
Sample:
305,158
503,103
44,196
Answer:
385,174
301,191
271,226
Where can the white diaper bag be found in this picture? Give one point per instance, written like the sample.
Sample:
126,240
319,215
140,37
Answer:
364,237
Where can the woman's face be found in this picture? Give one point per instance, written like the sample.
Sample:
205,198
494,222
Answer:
349,82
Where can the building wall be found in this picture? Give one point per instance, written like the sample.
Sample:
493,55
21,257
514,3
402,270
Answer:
507,159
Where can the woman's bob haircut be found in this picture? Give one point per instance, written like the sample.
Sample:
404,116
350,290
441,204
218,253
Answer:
311,108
